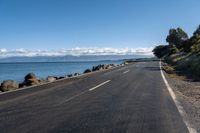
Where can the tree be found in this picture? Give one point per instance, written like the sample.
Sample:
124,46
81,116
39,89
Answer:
197,31
177,37
160,51
192,44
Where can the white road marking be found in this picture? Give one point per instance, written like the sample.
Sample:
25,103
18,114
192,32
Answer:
126,72
71,98
77,95
99,85
177,103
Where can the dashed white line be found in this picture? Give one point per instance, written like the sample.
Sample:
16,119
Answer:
177,103
126,72
93,88
77,95
71,98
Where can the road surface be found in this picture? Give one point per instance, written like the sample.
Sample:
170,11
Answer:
130,99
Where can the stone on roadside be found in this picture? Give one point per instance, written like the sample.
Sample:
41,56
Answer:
8,85
30,79
69,75
87,71
76,74
51,78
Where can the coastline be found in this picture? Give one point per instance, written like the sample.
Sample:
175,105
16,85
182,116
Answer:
53,79
17,71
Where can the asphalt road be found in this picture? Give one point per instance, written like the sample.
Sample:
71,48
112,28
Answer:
130,99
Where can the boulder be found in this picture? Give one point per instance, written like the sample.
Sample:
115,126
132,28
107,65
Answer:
87,71
30,79
102,67
30,76
109,66
98,67
8,85
76,74
69,75
126,63
60,77
30,82
51,78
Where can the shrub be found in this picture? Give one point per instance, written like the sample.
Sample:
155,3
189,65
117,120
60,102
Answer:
160,51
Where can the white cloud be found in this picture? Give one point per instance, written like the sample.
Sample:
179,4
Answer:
3,50
75,52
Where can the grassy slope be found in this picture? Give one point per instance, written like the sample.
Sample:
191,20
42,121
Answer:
188,64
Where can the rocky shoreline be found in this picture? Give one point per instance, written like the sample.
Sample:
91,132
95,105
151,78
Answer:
31,79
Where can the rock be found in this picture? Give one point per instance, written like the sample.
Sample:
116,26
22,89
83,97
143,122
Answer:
51,78
102,67
8,85
87,71
109,66
76,74
98,67
30,79
61,77
69,75
126,63
30,76
30,82
42,81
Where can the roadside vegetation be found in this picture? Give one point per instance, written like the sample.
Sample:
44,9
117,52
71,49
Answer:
182,52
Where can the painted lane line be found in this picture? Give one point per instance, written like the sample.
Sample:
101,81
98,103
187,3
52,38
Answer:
126,72
93,88
71,98
77,95
177,103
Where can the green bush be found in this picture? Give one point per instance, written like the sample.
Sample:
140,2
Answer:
160,51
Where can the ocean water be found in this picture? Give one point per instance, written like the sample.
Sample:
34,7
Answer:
17,71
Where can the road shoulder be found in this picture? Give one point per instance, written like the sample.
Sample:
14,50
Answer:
188,94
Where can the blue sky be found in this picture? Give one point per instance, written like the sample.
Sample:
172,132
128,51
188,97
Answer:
56,24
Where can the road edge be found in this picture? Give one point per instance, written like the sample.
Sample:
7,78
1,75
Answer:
177,103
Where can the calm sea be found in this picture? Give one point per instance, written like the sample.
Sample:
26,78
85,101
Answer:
17,71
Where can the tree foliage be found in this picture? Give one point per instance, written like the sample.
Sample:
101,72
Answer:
197,31
177,37
160,51
178,41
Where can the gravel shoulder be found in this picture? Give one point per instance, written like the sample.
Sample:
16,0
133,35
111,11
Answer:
188,94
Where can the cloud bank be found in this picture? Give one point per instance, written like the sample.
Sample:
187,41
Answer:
74,52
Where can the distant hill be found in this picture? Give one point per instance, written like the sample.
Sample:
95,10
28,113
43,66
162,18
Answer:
70,58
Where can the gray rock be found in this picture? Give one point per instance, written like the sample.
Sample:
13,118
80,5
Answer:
8,85
69,75
109,66
76,74
126,63
51,78
98,67
30,76
87,71
61,77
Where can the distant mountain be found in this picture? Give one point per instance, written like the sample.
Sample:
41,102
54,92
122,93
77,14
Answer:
70,58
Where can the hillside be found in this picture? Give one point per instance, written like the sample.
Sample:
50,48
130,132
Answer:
182,52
